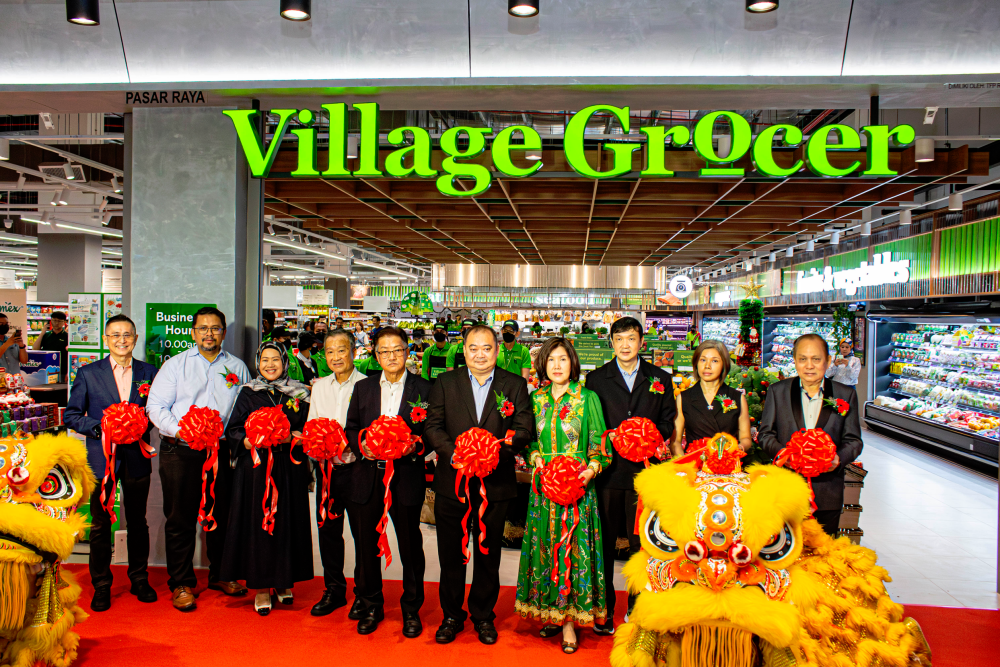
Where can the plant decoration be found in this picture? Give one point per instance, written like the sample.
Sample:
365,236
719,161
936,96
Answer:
751,318
843,324
564,330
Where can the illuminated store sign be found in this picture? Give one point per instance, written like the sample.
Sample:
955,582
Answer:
883,271
458,177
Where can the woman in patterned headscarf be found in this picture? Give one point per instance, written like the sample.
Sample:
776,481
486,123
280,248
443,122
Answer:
277,559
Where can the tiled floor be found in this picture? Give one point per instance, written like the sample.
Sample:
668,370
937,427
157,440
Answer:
933,524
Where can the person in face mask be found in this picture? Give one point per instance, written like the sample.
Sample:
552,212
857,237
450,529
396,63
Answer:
418,345
435,359
514,357
13,351
456,356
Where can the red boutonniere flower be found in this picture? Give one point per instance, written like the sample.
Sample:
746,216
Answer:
840,405
656,387
232,379
504,406
418,413
563,412
293,403
726,403
143,389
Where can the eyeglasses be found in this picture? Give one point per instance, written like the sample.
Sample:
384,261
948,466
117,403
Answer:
117,337
205,330
395,352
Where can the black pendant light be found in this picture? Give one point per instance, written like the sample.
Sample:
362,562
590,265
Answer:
761,6
522,8
83,12
296,10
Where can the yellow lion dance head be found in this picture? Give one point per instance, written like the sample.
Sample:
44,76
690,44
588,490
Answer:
733,573
42,481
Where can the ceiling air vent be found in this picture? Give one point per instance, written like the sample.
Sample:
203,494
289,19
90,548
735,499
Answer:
58,170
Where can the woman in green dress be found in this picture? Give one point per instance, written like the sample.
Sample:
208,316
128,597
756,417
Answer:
570,422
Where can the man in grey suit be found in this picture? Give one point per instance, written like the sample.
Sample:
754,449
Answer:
810,401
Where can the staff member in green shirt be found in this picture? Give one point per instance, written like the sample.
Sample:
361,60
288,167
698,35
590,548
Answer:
435,359
456,355
514,357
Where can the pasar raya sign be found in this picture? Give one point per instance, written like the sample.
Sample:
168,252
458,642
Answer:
463,178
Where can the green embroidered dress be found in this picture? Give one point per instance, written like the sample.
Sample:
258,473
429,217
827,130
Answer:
572,426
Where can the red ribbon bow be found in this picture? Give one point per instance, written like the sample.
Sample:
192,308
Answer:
477,453
122,424
267,427
636,439
388,438
562,485
809,453
201,429
324,439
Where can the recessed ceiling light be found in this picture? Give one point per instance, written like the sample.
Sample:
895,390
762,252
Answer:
522,8
83,12
761,6
296,10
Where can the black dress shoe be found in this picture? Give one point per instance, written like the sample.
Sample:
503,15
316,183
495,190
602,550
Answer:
331,600
411,625
487,632
369,622
357,610
142,590
102,599
449,628
607,628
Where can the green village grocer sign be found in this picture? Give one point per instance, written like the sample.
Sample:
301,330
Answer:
413,157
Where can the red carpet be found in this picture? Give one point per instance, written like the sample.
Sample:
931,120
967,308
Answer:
225,632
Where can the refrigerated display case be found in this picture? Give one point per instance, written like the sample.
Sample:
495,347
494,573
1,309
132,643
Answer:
780,333
726,329
937,379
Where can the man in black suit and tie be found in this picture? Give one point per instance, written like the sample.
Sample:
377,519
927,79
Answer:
462,399
628,387
810,401
393,392
97,386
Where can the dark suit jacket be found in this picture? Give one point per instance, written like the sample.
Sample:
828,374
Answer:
93,391
619,404
452,412
783,416
366,406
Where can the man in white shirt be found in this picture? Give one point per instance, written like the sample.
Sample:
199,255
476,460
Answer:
330,397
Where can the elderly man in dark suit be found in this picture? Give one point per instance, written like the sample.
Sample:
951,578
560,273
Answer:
628,386
809,401
97,386
393,392
462,399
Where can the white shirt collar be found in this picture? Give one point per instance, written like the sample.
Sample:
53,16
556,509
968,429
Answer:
385,383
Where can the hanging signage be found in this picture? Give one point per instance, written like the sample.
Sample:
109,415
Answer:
882,271
168,329
462,178
680,286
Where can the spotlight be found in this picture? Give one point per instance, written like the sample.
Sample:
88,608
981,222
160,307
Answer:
68,170
835,238
810,245
83,12
533,155
270,230
296,10
955,202
62,198
522,8
8,222
115,185
905,218
789,251
924,150
866,229
45,218
352,146
761,6
21,178
4,148
55,199
773,257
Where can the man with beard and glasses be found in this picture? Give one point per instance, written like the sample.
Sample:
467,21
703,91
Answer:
206,376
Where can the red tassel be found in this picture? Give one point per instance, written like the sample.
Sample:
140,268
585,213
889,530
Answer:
482,526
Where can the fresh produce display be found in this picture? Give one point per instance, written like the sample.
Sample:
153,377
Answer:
725,329
784,337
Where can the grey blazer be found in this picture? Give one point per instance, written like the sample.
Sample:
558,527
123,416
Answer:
783,416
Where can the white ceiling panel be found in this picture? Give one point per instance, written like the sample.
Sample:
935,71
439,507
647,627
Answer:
38,46
923,37
246,40
639,38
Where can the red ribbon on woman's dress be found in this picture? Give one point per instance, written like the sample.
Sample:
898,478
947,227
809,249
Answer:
122,424
477,453
809,453
388,438
324,439
267,427
562,485
201,429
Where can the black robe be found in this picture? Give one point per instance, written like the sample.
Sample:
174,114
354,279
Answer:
265,560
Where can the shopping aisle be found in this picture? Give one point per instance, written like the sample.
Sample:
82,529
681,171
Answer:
933,524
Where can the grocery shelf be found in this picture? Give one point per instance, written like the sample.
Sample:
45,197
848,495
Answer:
935,434
950,385
956,404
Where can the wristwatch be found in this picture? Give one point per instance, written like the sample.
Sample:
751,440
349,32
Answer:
97,431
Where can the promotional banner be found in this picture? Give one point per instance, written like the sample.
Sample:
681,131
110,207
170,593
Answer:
14,304
168,329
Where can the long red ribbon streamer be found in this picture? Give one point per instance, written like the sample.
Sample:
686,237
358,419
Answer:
122,423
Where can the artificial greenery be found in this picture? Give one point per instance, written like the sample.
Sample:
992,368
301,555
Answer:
843,323
751,316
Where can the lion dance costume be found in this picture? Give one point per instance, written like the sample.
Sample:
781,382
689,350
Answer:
733,572
41,483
